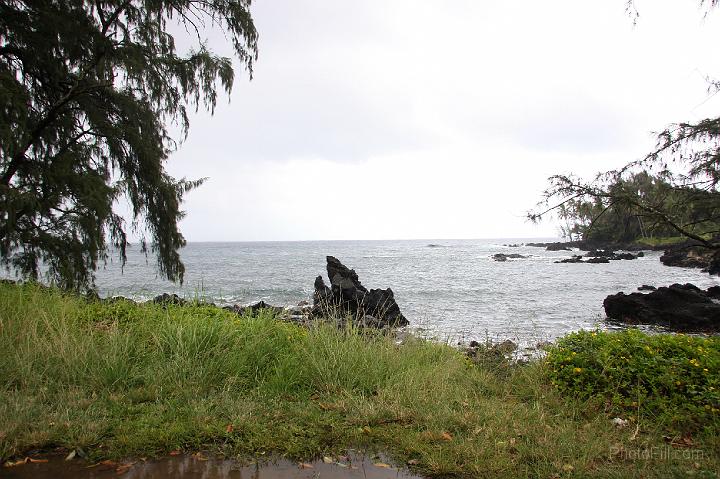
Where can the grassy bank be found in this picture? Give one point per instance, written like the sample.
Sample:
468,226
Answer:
120,379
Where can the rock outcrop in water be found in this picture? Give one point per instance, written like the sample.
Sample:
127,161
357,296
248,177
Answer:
554,246
167,298
600,257
589,245
347,296
612,255
505,257
677,307
693,257
254,309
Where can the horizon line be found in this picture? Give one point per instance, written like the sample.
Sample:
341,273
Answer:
506,238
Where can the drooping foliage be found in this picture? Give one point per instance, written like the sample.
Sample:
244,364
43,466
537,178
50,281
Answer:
87,91
674,190
636,206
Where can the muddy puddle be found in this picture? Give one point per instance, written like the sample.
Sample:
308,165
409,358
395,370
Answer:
202,467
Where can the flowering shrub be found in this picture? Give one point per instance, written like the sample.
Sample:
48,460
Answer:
672,374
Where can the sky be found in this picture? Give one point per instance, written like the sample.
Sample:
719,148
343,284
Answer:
410,119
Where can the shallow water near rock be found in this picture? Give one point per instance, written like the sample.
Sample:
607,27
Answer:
192,467
450,290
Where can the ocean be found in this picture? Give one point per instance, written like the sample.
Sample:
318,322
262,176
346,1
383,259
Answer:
450,290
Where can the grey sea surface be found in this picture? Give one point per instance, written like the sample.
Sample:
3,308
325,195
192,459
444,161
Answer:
450,290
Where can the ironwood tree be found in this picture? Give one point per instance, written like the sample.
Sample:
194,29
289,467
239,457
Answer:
637,206
87,91
685,166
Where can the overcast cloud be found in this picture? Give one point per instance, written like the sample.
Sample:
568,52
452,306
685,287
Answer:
389,119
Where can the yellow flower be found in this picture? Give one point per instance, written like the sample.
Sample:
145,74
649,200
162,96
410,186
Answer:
578,370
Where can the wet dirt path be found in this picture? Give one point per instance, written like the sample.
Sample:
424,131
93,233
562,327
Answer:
198,466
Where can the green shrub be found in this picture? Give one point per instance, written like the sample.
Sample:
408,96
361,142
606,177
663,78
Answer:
660,375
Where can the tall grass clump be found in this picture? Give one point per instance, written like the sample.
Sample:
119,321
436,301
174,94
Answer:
118,378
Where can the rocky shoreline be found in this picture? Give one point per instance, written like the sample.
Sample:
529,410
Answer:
345,300
601,256
687,254
681,308
678,307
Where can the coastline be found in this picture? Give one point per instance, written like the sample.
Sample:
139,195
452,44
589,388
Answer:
456,292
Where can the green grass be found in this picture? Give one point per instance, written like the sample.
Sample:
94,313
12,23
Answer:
119,379
666,241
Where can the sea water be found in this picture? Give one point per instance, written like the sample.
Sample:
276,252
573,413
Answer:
451,290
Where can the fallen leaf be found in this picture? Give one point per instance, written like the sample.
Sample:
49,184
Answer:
382,464
176,452
328,460
103,465
229,428
123,469
366,429
568,468
306,465
199,457
446,436
37,461
19,462
70,456
413,462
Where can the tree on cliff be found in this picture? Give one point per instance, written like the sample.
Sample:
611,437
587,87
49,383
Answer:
686,161
86,91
